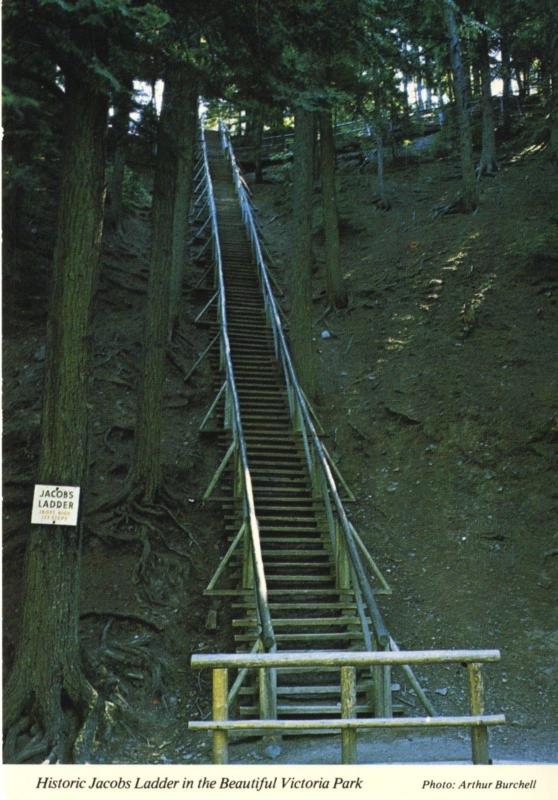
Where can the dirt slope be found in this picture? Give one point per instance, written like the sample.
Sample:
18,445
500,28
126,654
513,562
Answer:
439,395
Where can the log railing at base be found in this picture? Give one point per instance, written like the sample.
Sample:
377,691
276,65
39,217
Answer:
348,723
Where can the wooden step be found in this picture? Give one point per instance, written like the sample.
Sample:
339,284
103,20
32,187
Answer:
319,690
305,710
314,640
282,607
301,622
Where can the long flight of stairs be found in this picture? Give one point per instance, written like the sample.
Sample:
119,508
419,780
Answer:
308,610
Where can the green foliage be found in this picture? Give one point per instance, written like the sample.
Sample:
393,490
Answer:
16,103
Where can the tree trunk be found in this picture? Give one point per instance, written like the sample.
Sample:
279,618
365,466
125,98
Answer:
470,191
146,468
185,126
120,128
405,98
488,164
507,95
520,83
384,202
429,98
420,100
258,139
47,678
552,100
317,154
301,280
336,293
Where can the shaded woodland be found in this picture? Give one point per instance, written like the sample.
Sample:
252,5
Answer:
381,140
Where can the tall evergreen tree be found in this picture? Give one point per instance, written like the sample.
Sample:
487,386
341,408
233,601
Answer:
48,688
336,292
169,222
469,184
301,257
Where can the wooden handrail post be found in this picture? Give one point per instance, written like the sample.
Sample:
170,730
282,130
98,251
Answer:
220,710
341,560
267,684
479,733
227,413
386,675
238,478
379,694
247,561
348,711
297,420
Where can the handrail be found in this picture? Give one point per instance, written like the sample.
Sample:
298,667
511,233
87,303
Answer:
299,406
348,723
340,658
352,127
249,508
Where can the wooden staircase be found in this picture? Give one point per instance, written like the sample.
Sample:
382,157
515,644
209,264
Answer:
309,608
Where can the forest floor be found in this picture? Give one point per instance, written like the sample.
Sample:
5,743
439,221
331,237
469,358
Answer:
438,395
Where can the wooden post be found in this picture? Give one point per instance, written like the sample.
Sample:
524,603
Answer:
227,415
213,406
379,691
267,685
238,477
479,733
220,712
348,711
247,561
267,682
341,560
219,471
291,402
386,675
328,512
297,420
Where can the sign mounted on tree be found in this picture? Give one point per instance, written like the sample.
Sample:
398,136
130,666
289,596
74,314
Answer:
55,505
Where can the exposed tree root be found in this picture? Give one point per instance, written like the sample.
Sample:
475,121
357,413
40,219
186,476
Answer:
382,203
455,207
36,747
48,722
488,167
123,616
127,285
175,362
127,494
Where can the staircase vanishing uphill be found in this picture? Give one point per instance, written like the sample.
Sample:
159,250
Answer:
308,611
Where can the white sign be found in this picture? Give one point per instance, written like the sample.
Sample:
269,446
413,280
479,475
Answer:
55,505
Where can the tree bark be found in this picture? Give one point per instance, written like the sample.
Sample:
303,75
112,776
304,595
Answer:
146,472
336,293
47,676
488,164
552,100
420,100
258,139
507,95
185,126
301,295
470,191
120,129
384,202
405,98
